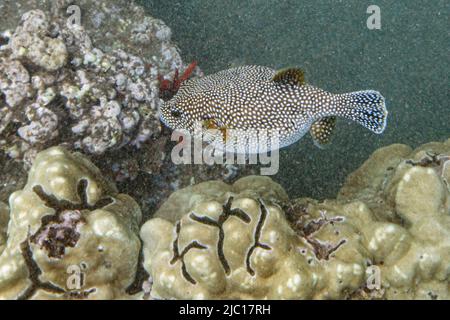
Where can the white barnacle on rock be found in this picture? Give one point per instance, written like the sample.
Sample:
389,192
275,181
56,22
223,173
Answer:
171,56
14,81
31,42
46,96
137,90
43,125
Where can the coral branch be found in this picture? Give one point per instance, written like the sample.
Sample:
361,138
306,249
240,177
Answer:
167,88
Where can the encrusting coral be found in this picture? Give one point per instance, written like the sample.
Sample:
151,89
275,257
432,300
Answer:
58,87
412,189
216,244
70,233
387,236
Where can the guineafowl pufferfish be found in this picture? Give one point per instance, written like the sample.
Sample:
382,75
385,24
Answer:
249,98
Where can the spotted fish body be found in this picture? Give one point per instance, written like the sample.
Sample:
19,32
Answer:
259,98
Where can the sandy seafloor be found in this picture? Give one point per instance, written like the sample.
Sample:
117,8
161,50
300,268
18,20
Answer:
407,61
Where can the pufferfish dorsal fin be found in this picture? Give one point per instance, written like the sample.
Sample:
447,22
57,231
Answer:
292,76
321,131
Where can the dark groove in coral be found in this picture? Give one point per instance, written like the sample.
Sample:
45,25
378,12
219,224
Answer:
194,244
210,222
333,249
257,235
79,294
226,213
176,252
180,256
56,233
52,202
237,212
140,277
205,220
323,251
316,225
34,273
81,191
186,274
220,253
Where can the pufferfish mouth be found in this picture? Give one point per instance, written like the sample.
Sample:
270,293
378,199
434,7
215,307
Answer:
164,121
163,118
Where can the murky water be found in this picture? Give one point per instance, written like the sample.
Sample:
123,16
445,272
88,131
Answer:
93,203
406,60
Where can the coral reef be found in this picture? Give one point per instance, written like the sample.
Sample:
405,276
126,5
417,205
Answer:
59,88
412,189
223,241
70,234
169,88
32,41
386,236
111,25
93,85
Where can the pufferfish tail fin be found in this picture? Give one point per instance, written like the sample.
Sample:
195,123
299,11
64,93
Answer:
367,108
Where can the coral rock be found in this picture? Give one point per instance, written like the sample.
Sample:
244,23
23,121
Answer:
70,235
386,236
58,85
221,238
31,42
14,81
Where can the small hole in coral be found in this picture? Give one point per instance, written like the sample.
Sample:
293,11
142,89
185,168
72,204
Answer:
3,40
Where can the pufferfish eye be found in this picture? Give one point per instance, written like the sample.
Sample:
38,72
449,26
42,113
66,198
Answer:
175,113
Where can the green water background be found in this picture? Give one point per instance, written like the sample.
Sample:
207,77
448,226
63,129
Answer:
407,61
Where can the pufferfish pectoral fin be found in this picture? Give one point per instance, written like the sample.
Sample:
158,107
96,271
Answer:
212,124
292,76
321,131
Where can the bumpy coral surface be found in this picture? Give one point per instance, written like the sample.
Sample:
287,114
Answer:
412,189
221,241
70,233
387,236
111,24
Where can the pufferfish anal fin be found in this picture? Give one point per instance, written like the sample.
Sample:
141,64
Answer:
321,131
292,76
